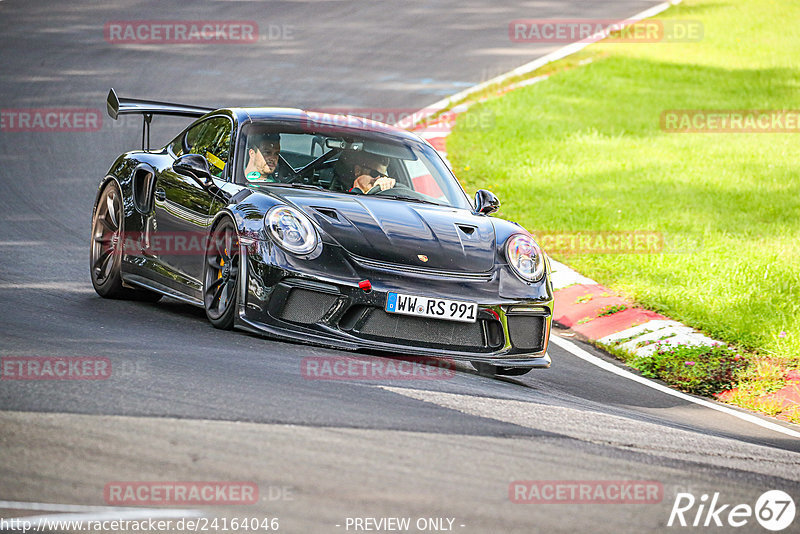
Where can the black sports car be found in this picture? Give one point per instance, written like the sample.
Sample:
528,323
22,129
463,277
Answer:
324,229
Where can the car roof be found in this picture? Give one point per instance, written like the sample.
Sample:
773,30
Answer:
332,121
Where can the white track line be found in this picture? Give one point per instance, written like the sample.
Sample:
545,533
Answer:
56,507
599,362
66,286
527,68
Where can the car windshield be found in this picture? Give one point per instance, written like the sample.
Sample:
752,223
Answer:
341,160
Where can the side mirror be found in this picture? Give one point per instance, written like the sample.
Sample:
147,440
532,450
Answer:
194,166
486,202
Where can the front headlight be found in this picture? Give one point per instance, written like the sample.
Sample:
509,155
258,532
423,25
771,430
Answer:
525,257
291,229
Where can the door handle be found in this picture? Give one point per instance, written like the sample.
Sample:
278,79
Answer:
161,194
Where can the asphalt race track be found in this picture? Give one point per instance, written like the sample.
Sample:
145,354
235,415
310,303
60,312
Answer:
188,402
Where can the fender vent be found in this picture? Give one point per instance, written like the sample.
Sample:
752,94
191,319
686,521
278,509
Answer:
467,229
327,212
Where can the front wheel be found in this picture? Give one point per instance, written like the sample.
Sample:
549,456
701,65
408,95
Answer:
487,369
221,275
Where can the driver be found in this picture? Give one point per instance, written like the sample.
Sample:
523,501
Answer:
368,171
263,150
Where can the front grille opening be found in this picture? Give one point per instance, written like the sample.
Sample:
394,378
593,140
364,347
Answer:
352,316
393,328
306,307
494,333
527,331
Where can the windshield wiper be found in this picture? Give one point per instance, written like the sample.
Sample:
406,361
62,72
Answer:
292,185
413,199
300,185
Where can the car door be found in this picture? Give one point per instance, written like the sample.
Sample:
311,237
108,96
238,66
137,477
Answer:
183,206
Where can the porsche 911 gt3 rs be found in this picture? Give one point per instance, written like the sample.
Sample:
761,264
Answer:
323,229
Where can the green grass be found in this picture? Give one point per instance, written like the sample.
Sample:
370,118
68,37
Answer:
584,150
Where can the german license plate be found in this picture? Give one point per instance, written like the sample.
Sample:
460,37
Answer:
449,310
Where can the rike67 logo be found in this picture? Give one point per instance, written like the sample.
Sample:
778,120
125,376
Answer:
774,510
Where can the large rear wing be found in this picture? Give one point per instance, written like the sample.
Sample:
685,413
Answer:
147,108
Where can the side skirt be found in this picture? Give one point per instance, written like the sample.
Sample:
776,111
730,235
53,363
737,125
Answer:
139,281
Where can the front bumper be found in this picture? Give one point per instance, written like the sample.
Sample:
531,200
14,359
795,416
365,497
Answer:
318,301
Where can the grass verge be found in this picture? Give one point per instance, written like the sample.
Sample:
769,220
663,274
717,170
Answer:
584,151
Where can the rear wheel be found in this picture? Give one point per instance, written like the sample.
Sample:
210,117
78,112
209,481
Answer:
221,275
105,253
488,369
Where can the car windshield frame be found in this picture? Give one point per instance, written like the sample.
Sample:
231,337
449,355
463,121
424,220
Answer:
304,175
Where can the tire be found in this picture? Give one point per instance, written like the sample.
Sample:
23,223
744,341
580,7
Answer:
221,275
105,250
488,369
